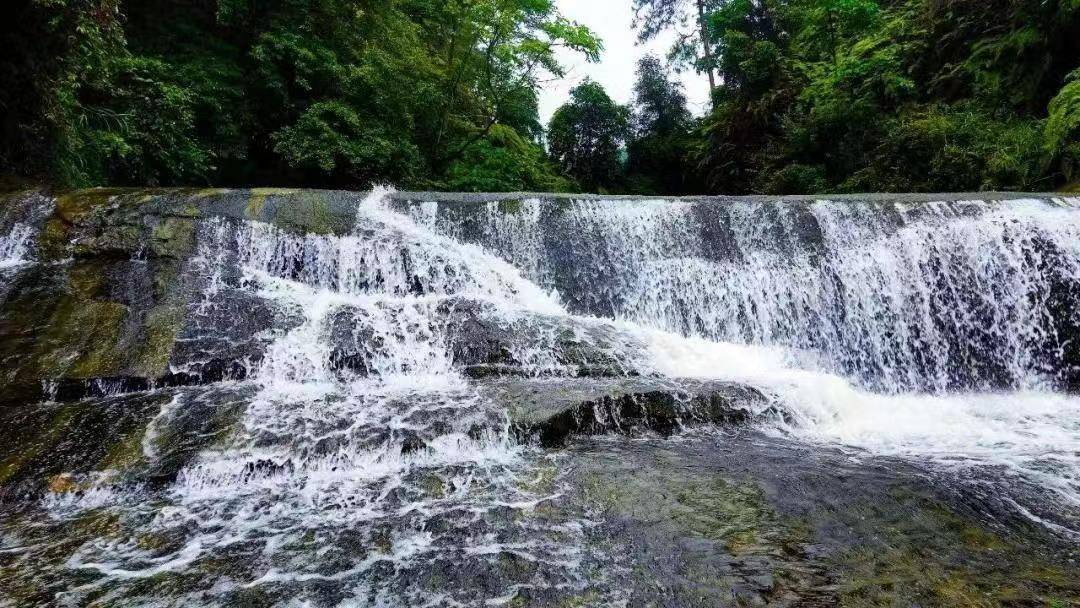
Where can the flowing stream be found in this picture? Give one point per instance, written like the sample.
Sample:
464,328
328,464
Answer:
360,462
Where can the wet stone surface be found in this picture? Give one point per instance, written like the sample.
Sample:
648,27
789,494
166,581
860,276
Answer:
743,519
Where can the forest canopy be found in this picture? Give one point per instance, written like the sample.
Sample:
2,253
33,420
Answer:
809,96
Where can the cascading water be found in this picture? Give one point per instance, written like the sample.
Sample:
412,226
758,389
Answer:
15,245
909,318
358,458
405,468
916,297
19,223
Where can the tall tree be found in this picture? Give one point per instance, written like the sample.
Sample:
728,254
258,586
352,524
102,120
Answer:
656,154
654,16
659,101
586,134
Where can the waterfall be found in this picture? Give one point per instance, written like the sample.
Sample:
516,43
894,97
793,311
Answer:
15,245
363,455
20,219
402,457
898,297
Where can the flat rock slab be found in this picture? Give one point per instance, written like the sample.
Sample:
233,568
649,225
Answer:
746,519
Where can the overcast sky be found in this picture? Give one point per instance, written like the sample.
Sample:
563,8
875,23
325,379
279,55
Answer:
612,20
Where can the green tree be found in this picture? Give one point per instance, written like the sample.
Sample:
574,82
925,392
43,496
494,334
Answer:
656,153
847,95
290,92
737,136
1062,137
586,134
689,18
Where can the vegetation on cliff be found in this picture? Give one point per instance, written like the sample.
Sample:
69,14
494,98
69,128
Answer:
810,95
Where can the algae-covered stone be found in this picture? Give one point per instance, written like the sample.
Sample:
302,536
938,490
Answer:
511,206
173,237
551,410
310,212
159,330
746,519
107,298
56,447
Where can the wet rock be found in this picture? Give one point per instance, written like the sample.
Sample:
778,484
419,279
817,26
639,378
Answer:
104,299
70,441
553,410
354,342
486,343
224,337
412,442
481,341
739,519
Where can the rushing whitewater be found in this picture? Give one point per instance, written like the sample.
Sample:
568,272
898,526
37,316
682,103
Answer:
358,455
888,326
898,297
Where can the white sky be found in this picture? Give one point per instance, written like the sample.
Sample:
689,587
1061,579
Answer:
612,21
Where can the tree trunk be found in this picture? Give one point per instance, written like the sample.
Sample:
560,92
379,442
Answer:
705,47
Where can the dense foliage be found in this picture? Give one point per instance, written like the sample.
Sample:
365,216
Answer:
662,136
586,135
421,93
809,95
893,95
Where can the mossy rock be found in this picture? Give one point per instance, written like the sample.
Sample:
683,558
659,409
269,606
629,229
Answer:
257,198
160,327
173,237
308,212
510,207
105,301
936,557
74,206
81,340
54,446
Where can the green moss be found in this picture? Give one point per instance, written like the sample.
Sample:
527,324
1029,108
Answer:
542,478
86,280
160,328
84,337
257,198
935,557
124,452
735,514
308,211
53,239
73,206
510,206
203,193
99,523
173,237
433,486
35,443
256,205
66,334
123,238
590,598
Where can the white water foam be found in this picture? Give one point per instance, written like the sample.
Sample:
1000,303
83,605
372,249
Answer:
1034,436
949,309
928,297
368,480
352,460
15,245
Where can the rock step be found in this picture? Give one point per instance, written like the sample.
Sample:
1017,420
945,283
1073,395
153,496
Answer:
552,410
